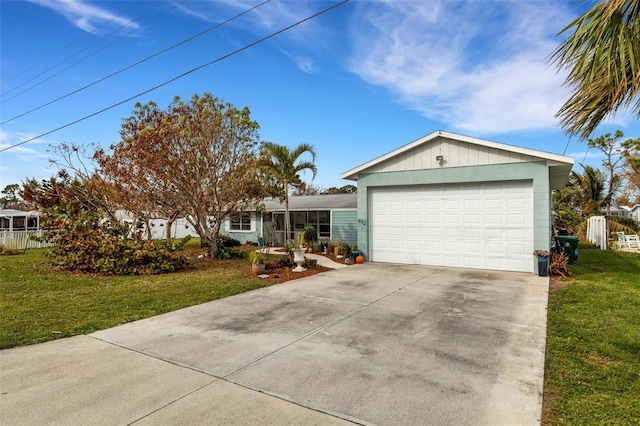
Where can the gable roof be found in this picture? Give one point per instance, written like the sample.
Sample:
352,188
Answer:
314,202
559,165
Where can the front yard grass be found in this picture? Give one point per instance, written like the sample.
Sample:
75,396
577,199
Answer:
592,368
38,304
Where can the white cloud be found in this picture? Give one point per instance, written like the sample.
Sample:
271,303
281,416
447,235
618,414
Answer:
305,63
25,152
271,17
85,16
478,66
24,161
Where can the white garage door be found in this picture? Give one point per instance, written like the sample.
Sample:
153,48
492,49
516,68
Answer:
485,226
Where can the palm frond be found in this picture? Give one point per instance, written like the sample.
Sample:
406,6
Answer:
603,58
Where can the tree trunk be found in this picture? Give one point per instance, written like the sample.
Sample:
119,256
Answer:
170,220
210,242
167,234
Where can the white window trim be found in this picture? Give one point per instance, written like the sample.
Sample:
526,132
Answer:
242,231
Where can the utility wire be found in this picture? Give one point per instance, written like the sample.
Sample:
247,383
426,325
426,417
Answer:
90,55
566,146
86,34
221,58
137,63
12,20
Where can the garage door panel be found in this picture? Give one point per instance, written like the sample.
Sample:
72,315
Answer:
472,233
493,204
516,219
452,233
514,248
493,219
487,226
433,219
493,233
471,219
452,218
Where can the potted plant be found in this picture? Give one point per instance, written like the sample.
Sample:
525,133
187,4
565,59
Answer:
310,235
258,262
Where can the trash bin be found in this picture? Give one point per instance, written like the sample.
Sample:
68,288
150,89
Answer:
568,244
543,266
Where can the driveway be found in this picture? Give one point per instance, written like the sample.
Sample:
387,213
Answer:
376,343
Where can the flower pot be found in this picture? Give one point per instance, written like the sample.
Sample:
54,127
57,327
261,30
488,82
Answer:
298,259
258,268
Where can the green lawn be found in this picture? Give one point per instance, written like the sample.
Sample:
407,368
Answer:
39,304
592,369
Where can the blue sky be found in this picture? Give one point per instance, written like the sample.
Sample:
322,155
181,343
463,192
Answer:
357,82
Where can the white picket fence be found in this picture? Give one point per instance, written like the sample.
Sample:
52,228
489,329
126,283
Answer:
21,239
597,231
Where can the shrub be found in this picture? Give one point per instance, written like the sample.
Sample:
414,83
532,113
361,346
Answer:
559,264
226,241
88,237
8,251
225,253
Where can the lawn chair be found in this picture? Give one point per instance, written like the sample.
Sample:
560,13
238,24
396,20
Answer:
633,241
622,239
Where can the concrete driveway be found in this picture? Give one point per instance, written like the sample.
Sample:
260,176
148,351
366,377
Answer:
371,344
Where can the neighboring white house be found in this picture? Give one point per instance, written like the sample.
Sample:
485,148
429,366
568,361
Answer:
616,210
453,200
18,226
19,220
180,228
634,212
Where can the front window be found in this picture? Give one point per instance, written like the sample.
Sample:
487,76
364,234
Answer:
241,222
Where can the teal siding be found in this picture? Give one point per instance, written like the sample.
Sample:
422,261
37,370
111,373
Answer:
344,226
245,236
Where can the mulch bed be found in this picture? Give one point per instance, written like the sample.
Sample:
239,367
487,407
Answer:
285,274
281,275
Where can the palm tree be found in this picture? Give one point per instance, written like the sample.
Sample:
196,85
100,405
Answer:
590,187
603,58
282,165
581,198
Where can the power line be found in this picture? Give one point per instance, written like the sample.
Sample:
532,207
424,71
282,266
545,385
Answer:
86,34
137,63
221,58
566,146
90,55
11,20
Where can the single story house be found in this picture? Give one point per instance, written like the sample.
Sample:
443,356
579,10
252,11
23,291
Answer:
333,215
633,212
19,220
453,200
